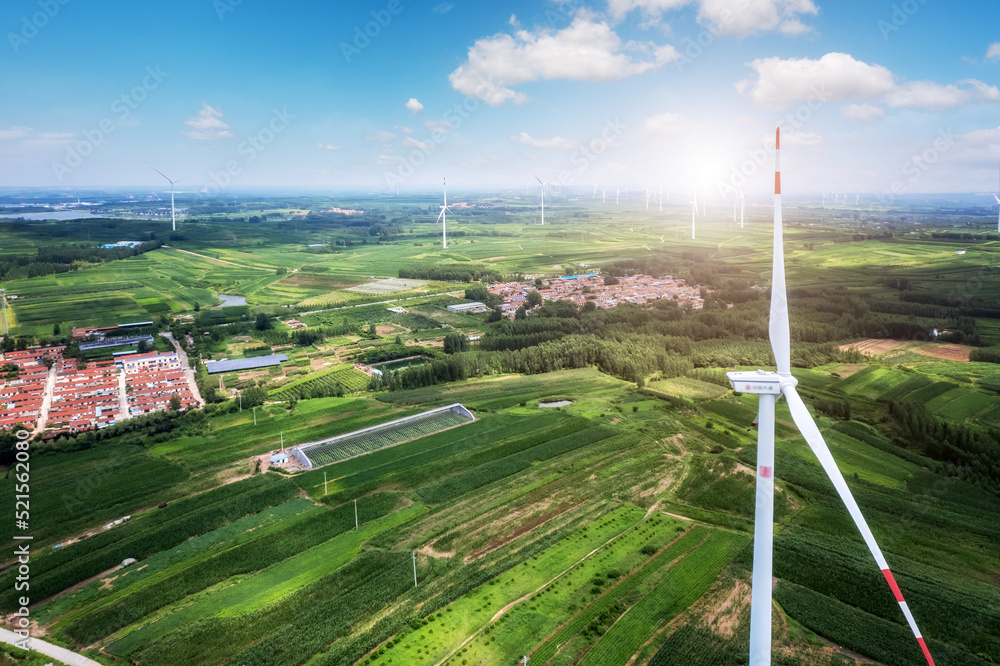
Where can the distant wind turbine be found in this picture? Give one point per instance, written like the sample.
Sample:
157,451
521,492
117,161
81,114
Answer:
443,217
604,195
998,214
618,194
769,387
743,203
173,215
543,196
694,211
661,199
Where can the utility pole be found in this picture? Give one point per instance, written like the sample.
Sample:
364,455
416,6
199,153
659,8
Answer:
241,402
355,508
325,492
255,416
414,568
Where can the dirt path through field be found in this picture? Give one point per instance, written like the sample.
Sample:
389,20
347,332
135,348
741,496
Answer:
221,261
541,587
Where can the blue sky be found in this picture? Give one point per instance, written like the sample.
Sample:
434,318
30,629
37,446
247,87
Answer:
677,94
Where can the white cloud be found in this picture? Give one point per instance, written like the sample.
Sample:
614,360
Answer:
439,126
382,136
742,18
993,52
416,143
389,159
403,129
861,113
836,76
584,51
414,107
666,124
443,8
798,139
207,125
513,21
556,142
931,95
14,132
328,146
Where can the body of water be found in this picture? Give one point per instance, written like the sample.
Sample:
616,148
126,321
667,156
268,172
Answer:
557,403
229,300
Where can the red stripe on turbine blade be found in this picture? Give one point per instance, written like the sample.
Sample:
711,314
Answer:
766,472
777,182
889,578
927,653
777,138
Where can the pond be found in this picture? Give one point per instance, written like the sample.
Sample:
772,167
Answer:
229,300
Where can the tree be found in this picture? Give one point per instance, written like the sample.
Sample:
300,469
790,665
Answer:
175,402
254,396
373,332
534,299
611,281
521,313
495,315
455,342
539,284
264,322
142,347
48,361
56,329
197,306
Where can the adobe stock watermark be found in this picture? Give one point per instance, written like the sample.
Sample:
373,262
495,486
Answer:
757,158
899,16
121,108
249,149
914,167
363,35
450,121
30,25
223,7
692,49
591,151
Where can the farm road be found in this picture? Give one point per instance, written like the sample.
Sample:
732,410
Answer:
49,650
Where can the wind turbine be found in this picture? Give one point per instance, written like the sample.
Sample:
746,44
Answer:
661,199
618,193
743,203
173,216
694,211
998,214
604,195
543,196
443,217
770,386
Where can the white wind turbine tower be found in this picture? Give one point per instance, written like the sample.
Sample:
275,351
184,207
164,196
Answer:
661,199
743,203
694,211
998,214
770,386
543,184
604,195
618,193
735,201
443,217
173,215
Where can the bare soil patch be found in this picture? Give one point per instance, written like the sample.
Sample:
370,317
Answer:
873,346
848,370
948,352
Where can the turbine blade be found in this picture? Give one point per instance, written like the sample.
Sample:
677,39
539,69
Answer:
778,328
540,180
162,174
997,198
439,215
807,426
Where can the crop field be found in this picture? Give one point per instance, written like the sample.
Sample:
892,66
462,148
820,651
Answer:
614,529
323,383
380,437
